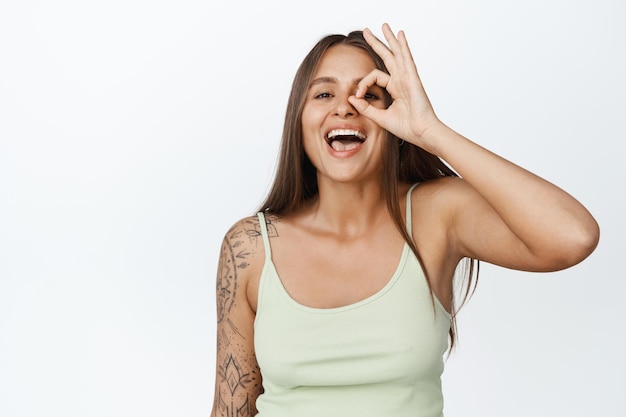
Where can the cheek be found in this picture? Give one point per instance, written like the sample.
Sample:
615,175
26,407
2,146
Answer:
311,129
314,113
381,143
310,145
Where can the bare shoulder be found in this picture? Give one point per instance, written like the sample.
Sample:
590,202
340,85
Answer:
241,261
441,186
435,204
441,196
439,205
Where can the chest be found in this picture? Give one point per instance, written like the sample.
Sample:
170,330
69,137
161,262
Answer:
322,272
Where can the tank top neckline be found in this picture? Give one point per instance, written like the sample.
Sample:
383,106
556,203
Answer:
269,263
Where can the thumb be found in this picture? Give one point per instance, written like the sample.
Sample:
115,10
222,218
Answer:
366,109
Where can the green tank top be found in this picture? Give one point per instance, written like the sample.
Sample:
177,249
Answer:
381,356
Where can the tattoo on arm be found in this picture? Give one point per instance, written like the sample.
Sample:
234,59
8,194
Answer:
234,256
239,379
232,259
233,393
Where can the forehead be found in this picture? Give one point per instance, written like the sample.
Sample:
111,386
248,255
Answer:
345,59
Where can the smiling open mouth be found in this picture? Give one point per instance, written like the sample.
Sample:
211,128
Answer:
342,140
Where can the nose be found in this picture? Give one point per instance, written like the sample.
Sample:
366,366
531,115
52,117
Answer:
343,108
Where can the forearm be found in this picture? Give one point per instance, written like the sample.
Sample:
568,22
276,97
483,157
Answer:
237,387
238,380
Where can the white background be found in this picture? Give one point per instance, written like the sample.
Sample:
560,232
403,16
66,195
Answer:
134,133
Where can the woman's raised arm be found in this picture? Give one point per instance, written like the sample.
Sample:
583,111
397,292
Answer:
499,212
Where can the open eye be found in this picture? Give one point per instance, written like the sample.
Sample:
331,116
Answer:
322,95
371,96
374,93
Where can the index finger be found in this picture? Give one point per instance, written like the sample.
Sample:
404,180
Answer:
379,47
398,44
376,77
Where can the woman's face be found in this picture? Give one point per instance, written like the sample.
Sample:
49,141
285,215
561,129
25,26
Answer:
342,144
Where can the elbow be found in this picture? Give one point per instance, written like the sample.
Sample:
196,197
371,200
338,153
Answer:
576,245
588,240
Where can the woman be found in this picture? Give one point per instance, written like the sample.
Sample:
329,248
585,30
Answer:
337,298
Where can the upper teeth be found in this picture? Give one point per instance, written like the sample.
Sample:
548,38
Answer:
346,132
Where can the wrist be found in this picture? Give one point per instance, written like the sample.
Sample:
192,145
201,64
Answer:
436,138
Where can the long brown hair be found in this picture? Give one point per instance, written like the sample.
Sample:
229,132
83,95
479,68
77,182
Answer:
295,182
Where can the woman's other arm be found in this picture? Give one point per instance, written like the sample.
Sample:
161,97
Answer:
237,377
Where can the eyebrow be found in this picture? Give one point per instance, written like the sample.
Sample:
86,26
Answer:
330,80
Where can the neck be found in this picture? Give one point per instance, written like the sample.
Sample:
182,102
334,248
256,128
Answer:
348,210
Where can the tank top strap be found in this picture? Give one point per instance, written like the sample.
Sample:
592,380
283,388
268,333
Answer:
409,217
264,234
